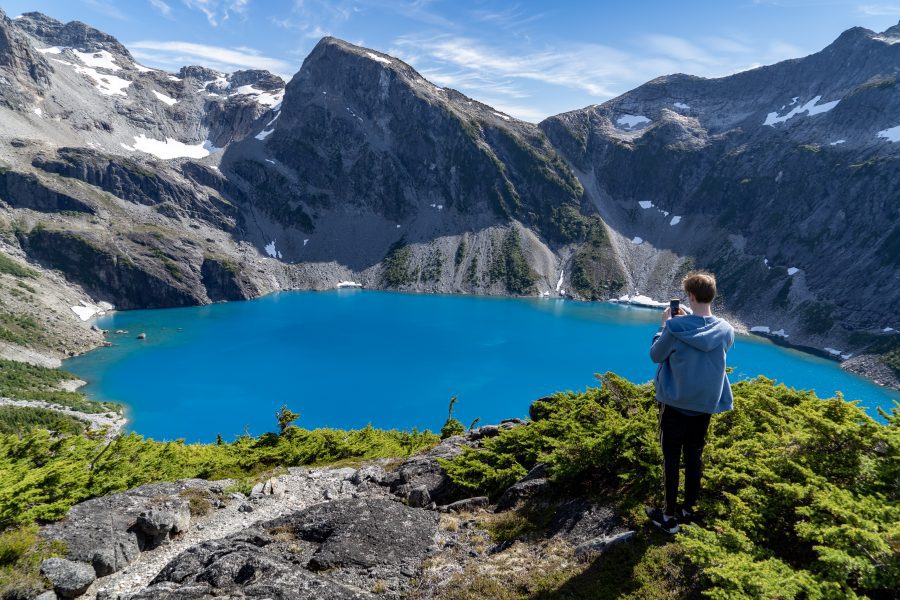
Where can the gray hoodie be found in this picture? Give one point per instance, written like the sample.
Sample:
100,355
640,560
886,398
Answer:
690,351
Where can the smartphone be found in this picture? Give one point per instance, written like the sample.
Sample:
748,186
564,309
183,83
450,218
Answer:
673,307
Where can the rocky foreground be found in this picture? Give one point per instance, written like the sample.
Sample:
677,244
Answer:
382,530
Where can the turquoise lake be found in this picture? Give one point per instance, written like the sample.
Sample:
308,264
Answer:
349,357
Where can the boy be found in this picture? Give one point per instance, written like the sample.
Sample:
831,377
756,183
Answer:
691,386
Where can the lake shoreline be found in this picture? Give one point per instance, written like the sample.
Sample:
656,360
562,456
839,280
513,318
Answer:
867,366
398,357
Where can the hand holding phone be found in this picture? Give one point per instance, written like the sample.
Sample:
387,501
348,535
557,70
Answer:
674,309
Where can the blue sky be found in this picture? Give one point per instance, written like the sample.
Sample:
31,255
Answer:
529,59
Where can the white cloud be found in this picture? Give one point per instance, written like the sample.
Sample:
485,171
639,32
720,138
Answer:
879,10
217,11
174,54
594,71
163,8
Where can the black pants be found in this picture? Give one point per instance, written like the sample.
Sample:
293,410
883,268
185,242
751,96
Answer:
680,433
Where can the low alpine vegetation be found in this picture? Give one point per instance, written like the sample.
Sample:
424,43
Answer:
801,492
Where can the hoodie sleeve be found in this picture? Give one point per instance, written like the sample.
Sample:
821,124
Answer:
663,343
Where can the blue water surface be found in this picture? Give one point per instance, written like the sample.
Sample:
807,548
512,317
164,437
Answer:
349,357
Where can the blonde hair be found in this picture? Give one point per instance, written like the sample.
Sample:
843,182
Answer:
702,284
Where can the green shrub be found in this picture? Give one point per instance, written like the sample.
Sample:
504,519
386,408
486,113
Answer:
12,267
801,492
21,329
31,382
510,267
460,251
22,419
42,475
21,553
396,265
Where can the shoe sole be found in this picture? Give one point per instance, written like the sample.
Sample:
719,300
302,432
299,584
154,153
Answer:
663,528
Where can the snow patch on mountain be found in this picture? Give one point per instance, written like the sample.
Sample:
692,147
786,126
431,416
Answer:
272,251
109,85
645,204
631,121
170,148
164,99
637,241
264,98
377,58
676,219
98,60
810,108
891,135
681,105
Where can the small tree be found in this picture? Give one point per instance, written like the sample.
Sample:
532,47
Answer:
452,426
286,418
219,440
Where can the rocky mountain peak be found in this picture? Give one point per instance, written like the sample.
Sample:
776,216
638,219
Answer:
73,34
199,73
20,60
258,78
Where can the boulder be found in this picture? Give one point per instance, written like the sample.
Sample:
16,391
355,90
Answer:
419,497
69,578
158,522
369,473
534,485
48,595
467,505
482,432
337,549
273,487
425,471
109,532
579,521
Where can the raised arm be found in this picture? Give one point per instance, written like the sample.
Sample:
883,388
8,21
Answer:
663,344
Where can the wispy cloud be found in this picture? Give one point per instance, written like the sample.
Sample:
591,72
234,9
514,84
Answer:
173,54
600,72
106,8
218,11
163,8
879,10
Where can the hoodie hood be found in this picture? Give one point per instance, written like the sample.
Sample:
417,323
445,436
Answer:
703,333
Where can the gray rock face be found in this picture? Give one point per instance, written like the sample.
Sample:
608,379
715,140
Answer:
21,66
27,191
467,505
759,167
69,578
261,80
422,475
338,549
73,34
534,485
579,521
109,532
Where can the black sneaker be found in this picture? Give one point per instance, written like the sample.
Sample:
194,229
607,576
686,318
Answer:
686,516
656,517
